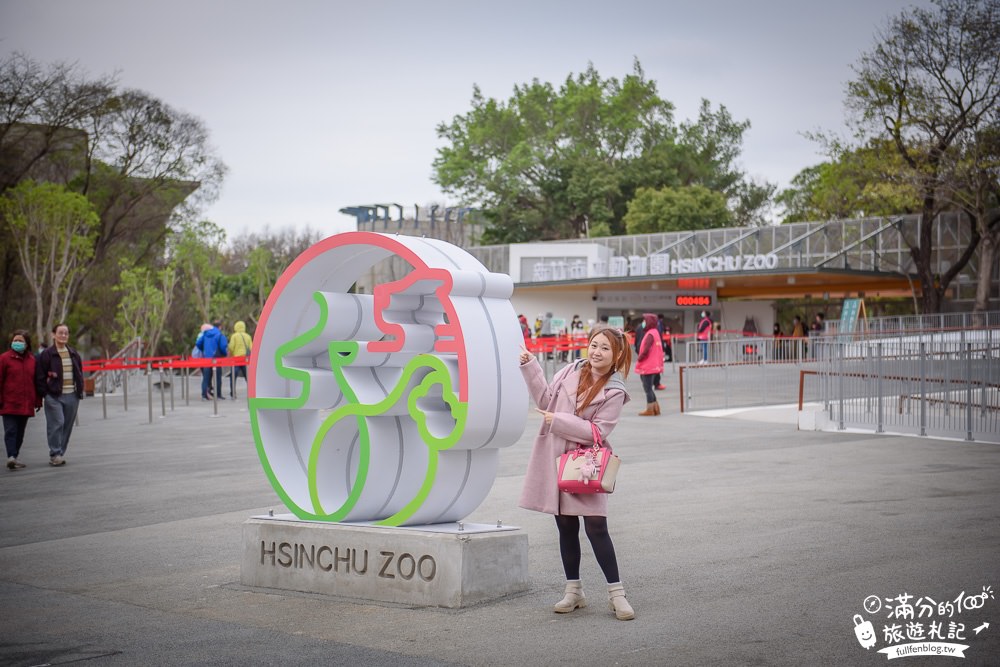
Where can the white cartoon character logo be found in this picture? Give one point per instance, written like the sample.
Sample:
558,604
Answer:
865,631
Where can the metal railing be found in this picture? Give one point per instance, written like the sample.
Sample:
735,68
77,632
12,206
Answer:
903,324
745,372
944,384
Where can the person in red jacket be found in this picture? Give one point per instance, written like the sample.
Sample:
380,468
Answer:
18,399
649,363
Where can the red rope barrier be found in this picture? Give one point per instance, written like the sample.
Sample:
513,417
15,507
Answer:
160,363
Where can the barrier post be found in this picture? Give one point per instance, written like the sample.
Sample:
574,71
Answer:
879,427
923,387
172,375
215,383
968,392
149,389
163,395
840,381
104,395
187,389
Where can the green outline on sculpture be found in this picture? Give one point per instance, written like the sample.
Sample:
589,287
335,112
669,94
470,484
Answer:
341,353
289,403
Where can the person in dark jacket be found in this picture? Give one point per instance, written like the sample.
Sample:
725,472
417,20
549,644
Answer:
18,398
212,343
59,380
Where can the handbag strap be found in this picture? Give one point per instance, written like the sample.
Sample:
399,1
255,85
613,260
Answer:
598,440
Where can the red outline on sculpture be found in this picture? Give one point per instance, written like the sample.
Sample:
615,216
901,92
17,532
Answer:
451,338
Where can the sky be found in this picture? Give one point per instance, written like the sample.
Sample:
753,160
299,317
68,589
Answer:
318,105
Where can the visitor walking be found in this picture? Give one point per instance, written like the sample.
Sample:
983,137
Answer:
649,363
59,380
240,345
19,400
704,335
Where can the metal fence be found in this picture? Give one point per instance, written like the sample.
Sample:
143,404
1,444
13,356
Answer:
943,384
936,375
747,372
905,324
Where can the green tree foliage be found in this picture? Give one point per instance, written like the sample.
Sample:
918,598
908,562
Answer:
198,251
858,183
136,159
929,86
53,232
254,261
558,163
146,298
676,209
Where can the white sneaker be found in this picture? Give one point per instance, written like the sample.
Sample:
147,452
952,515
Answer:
56,460
11,463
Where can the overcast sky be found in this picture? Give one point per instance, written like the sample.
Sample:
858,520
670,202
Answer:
319,105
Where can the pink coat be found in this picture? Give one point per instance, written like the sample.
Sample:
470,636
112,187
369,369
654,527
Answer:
652,346
540,492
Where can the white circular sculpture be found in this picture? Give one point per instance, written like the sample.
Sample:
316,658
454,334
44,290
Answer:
388,407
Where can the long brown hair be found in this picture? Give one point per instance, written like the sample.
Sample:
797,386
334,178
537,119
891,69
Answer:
621,353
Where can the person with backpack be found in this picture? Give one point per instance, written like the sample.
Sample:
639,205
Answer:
212,343
240,345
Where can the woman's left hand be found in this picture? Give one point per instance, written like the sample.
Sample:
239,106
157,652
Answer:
546,415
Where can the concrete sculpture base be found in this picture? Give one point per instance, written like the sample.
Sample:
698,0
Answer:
444,565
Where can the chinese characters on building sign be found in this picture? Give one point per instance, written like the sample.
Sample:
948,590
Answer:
653,265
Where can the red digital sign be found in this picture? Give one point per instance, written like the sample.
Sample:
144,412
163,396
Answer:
694,283
693,300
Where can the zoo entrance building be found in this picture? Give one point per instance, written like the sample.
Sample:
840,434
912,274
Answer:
738,275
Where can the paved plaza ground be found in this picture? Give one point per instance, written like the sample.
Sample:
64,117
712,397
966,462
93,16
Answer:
741,541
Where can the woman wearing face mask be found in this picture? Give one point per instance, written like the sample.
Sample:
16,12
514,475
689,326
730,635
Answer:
18,398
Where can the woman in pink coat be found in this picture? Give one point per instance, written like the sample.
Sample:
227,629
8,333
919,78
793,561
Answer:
649,364
588,391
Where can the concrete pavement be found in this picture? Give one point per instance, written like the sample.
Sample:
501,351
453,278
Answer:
741,541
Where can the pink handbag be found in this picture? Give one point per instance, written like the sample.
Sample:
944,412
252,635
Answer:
588,470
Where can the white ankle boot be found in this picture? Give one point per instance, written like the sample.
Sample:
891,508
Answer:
618,604
574,598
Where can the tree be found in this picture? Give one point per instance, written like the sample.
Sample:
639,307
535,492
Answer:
53,231
855,183
146,297
975,168
932,78
137,159
549,164
753,203
676,209
253,263
198,250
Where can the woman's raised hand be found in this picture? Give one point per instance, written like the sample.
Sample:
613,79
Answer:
525,356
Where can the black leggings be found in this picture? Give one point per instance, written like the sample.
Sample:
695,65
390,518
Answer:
600,540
